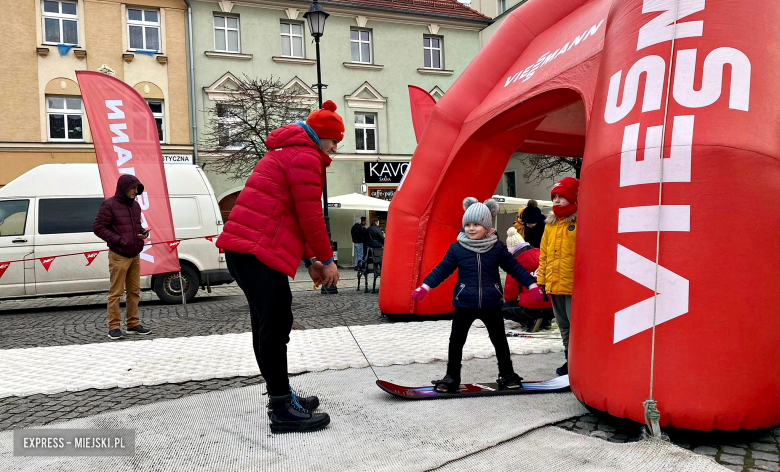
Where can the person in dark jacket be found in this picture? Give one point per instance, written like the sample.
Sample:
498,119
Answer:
358,236
375,238
533,224
477,255
118,223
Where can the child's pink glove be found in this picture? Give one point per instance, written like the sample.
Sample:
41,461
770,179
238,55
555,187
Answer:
420,293
536,293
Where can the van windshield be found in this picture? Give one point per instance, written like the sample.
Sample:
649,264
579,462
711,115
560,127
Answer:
13,217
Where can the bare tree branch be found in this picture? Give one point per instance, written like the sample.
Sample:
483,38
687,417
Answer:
541,167
239,126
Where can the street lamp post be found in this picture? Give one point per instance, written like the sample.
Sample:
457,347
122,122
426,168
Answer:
316,17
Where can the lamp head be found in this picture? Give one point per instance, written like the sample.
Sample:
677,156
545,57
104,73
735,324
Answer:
316,17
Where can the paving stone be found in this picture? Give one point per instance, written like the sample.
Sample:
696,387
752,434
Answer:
601,434
766,447
765,456
731,459
736,468
588,419
706,450
606,427
733,450
766,465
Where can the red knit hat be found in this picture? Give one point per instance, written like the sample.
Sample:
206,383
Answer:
568,187
326,122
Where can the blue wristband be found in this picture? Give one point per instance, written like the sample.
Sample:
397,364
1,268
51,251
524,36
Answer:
328,262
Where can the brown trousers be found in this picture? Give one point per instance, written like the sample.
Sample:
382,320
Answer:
125,273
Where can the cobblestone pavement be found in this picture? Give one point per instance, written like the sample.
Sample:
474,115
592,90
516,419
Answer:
742,452
81,320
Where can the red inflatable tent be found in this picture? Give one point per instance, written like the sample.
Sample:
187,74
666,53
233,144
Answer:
671,104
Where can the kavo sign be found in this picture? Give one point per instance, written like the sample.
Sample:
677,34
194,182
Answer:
390,172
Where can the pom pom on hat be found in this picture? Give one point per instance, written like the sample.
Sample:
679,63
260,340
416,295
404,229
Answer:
326,122
468,201
513,239
492,206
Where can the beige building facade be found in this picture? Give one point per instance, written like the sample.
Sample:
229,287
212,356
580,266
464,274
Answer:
42,117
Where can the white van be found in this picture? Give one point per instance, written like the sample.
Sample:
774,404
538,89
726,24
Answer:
49,211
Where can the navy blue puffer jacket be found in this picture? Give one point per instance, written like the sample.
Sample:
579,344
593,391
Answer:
479,283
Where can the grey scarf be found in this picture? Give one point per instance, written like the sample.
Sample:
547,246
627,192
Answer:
480,246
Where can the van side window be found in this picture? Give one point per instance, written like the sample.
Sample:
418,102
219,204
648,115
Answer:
67,215
13,217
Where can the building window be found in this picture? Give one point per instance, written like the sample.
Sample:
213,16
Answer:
432,49
65,117
228,124
292,39
158,111
509,184
501,6
365,133
226,36
143,29
361,45
60,23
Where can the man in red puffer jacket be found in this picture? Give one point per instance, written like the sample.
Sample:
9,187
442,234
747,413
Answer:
520,305
277,222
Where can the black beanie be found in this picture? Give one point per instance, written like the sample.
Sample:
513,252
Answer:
532,215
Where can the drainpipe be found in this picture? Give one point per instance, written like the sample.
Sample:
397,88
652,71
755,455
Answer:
191,85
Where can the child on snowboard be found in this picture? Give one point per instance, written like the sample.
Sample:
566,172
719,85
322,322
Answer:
556,256
477,255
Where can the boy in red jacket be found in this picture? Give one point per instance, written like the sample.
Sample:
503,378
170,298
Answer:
520,305
277,222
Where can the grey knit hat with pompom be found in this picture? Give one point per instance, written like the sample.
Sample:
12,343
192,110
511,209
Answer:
480,213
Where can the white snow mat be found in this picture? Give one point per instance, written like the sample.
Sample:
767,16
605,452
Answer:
552,449
370,430
56,369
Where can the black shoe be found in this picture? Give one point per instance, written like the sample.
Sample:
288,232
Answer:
564,369
287,416
510,381
446,385
138,330
115,334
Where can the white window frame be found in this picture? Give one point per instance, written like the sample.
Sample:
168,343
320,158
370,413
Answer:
59,17
229,119
432,49
65,112
501,6
160,115
291,35
360,43
144,24
364,126
223,30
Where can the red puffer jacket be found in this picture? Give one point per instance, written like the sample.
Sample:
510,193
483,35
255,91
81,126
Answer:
528,257
278,215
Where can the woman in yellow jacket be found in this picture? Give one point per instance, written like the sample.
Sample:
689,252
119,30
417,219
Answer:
556,257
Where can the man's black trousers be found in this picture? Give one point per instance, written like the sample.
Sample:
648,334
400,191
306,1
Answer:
270,307
494,322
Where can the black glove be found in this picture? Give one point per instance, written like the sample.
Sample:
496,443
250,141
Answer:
544,293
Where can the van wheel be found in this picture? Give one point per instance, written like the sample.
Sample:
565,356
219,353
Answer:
168,287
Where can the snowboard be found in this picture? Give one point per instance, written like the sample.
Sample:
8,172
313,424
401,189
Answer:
558,384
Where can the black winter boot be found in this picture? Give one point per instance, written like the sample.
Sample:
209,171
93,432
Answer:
510,381
287,415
